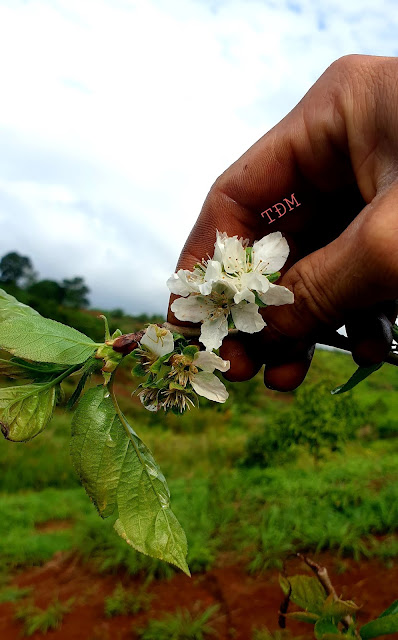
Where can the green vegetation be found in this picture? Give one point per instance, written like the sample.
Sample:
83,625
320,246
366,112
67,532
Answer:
182,625
331,616
123,602
12,594
42,620
225,496
264,634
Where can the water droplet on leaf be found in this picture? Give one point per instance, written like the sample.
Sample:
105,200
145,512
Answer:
164,501
152,470
109,442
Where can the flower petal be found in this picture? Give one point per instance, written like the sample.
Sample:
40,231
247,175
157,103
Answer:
158,340
247,318
226,286
244,294
270,253
219,245
208,361
213,331
213,271
277,295
185,282
209,386
195,308
233,255
177,286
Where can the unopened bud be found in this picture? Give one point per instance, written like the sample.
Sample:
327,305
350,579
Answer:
127,343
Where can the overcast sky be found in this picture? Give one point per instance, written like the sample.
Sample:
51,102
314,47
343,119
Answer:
116,116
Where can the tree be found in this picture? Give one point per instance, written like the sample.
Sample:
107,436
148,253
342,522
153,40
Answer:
320,421
48,290
75,293
16,269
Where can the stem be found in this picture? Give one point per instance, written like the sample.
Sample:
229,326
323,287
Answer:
63,375
324,579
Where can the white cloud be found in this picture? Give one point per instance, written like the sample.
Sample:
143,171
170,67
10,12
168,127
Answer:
117,116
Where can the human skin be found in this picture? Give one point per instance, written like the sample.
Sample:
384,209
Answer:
337,151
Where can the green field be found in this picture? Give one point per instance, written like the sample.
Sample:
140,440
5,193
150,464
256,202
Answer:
238,484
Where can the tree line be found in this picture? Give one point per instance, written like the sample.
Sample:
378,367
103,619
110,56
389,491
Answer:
17,272
65,300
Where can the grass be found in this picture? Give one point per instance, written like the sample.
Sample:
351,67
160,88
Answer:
123,602
43,620
13,594
347,502
264,634
182,625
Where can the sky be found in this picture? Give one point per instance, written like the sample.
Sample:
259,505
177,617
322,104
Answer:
116,116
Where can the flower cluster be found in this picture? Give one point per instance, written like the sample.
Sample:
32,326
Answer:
175,372
227,290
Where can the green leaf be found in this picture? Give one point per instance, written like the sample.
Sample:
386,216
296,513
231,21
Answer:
302,616
392,609
190,351
25,410
43,340
38,371
323,626
338,609
258,300
306,592
360,374
273,277
10,307
156,366
139,371
120,474
381,626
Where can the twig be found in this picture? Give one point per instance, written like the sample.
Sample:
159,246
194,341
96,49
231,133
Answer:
323,577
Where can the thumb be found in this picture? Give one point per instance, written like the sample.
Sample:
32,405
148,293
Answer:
355,271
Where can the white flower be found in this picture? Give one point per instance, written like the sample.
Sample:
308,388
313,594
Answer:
205,383
232,284
158,340
196,371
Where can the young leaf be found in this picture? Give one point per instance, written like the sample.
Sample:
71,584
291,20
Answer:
385,625
323,626
25,410
338,609
360,374
306,592
120,474
36,338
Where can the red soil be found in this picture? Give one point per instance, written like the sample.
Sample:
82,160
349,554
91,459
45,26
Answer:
244,601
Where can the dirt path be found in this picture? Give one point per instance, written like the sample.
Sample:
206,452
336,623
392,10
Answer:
244,601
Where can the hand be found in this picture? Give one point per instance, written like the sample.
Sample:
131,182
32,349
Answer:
337,151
